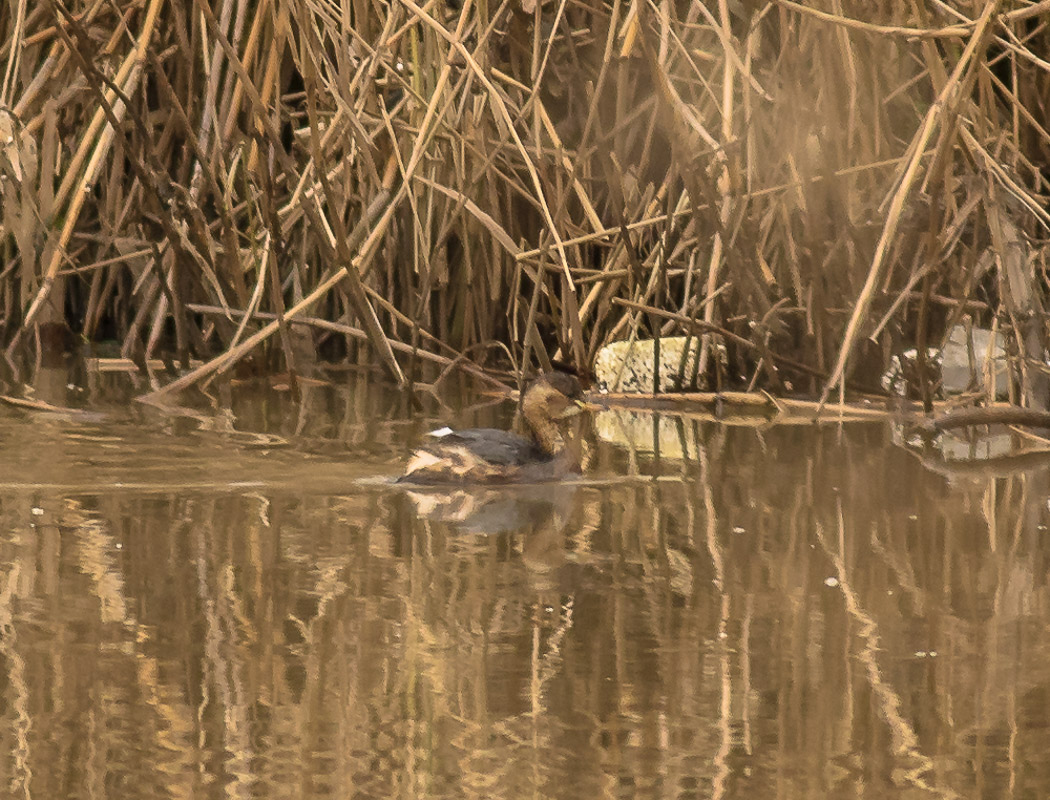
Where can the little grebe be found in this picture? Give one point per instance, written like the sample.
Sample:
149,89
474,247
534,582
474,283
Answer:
487,455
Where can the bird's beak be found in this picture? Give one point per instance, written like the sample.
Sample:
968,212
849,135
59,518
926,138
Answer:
571,411
577,407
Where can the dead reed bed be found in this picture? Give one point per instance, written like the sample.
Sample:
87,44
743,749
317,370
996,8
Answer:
475,183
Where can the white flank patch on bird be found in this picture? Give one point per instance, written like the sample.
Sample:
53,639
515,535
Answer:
440,432
421,459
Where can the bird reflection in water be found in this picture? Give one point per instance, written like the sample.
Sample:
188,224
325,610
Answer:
496,510
540,519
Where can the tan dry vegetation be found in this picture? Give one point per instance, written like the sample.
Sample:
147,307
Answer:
494,183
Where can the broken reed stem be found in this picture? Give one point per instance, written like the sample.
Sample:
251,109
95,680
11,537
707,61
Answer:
459,362
950,32
695,207
702,326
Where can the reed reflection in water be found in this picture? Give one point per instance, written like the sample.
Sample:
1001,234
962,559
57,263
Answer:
790,612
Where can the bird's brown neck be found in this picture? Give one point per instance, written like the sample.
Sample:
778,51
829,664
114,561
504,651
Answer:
544,431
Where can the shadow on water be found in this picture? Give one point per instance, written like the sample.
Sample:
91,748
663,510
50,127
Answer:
709,612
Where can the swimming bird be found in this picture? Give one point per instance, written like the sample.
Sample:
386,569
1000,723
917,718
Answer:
488,455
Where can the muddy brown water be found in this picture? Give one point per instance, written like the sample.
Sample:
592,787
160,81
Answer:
190,608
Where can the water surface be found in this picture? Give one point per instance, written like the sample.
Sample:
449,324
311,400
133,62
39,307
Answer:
241,605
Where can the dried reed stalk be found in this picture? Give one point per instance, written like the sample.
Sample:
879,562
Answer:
529,179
